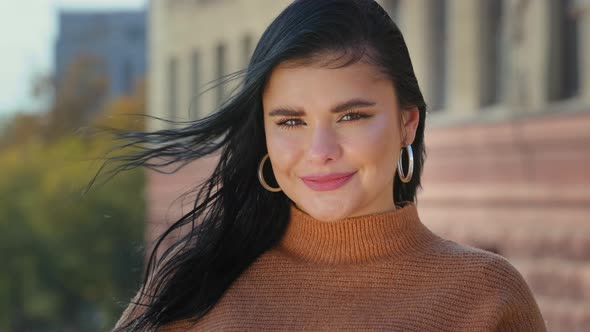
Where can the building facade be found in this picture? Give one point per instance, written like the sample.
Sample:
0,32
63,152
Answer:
507,133
116,39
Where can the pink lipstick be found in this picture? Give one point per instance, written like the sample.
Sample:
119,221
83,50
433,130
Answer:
327,182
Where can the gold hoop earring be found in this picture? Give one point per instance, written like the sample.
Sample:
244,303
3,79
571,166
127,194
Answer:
400,168
261,177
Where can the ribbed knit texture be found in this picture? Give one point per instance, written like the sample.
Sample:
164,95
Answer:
379,272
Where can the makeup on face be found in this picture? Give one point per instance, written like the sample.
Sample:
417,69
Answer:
333,138
327,182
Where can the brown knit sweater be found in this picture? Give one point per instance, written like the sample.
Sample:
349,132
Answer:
380,272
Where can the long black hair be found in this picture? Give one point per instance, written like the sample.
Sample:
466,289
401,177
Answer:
234,219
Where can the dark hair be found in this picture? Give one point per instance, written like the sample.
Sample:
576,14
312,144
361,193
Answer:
234,219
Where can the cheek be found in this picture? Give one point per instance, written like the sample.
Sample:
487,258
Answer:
284,150
375,147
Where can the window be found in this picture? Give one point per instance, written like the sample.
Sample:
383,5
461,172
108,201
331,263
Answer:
195,82
220,56
439,57
135,34
563,56
127,77
173,88
247,45
492,51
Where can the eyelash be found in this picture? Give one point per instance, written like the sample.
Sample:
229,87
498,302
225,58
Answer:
353,114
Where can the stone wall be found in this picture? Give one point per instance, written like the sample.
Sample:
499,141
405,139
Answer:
520,189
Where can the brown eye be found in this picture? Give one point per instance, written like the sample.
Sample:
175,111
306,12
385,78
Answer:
351,116
290,123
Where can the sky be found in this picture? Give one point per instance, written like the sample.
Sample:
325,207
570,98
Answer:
28,31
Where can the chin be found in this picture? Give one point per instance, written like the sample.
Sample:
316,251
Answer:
325,211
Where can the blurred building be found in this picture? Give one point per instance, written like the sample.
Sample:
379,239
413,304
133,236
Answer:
508,129
115,41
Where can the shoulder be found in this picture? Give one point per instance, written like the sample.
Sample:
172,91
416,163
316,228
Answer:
489,268
494,284
479,261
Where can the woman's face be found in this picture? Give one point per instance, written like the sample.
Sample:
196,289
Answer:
334,137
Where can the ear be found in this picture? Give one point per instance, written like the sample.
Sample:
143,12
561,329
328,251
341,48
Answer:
410,118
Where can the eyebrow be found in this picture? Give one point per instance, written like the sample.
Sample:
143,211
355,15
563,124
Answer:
342,107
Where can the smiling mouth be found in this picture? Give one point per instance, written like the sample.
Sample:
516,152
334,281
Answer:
327,182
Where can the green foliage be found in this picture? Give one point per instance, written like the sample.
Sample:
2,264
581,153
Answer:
67,258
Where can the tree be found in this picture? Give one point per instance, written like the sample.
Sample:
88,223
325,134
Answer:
68,257
79,95
22,127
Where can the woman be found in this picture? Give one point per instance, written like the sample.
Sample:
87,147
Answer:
309,220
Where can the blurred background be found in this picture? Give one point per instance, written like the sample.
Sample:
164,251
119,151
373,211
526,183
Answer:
508,139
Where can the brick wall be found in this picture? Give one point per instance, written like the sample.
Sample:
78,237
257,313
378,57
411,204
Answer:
521,189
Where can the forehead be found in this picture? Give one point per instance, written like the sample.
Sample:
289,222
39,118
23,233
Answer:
294,82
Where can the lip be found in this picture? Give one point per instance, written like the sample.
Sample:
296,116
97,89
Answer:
327,182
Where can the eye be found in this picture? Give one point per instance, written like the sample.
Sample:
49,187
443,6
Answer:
290,123
351,116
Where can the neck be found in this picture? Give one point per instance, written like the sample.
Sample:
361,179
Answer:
355,239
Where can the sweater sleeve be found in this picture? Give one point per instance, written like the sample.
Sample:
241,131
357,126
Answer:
517,308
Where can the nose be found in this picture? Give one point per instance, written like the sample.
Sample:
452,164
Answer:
324,145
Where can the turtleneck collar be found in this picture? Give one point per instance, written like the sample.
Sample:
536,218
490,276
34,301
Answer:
356,239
